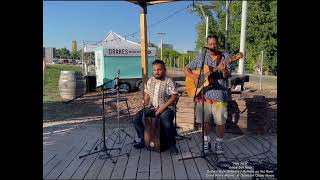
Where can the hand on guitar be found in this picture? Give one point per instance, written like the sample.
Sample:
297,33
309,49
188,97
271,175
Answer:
222,67
194,76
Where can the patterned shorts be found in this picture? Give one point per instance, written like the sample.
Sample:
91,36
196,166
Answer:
218,113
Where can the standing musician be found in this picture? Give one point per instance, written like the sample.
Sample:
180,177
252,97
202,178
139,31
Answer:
159,97
216,96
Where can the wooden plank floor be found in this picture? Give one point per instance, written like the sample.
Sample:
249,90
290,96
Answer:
62,148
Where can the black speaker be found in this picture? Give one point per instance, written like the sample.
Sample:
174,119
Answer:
91,83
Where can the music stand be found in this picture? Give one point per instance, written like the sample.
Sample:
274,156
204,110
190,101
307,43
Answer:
118,129
104,148
203,154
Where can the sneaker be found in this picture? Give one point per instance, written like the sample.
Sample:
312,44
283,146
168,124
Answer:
174,150
207,146
218,147
139,145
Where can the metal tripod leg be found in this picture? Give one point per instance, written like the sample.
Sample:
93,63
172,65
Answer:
104,148
182,137
118,137
106,156
107,149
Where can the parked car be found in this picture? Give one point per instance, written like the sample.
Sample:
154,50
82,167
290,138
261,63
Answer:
65,61
55,61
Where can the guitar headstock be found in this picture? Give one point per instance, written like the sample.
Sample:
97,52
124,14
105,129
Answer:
236,57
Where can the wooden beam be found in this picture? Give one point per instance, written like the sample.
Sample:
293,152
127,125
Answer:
143,31
150,2
144,45
159,2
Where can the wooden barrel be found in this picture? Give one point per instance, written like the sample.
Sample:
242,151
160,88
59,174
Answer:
71,84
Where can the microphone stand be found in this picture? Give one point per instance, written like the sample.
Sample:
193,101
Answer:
203,154
104,148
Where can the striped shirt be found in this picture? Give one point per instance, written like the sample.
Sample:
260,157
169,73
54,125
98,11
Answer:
220,86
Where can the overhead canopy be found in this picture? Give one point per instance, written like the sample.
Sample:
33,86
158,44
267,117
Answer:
150,2
143,32
114,41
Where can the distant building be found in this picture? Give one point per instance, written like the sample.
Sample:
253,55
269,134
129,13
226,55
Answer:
74,46
167,46
191,52
50,53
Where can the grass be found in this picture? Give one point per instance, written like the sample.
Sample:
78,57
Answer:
51,81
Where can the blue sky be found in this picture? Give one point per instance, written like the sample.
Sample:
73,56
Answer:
64,21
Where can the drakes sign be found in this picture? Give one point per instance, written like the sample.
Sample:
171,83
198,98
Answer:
126,52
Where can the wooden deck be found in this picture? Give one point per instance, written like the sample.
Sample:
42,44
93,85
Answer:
62,148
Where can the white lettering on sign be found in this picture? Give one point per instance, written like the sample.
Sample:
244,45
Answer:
126,52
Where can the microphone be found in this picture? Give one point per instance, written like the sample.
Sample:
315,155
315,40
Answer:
213,50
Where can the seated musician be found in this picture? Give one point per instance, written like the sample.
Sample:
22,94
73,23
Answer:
159,98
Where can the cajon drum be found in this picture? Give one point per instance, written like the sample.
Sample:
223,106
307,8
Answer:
154,136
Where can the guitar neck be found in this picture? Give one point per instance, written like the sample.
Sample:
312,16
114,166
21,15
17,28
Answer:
234,58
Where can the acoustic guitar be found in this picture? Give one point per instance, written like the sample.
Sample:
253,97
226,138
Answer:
191,83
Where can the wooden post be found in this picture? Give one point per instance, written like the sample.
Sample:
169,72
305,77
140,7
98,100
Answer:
143,36
144,47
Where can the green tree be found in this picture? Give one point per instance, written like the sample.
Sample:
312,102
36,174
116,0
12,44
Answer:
168,56
201,26
185,58
152,45
86,55
63,53
79,52
168,53
89,56
75,55
261,31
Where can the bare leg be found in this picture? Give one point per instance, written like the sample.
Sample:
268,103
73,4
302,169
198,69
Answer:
220,131
207,128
